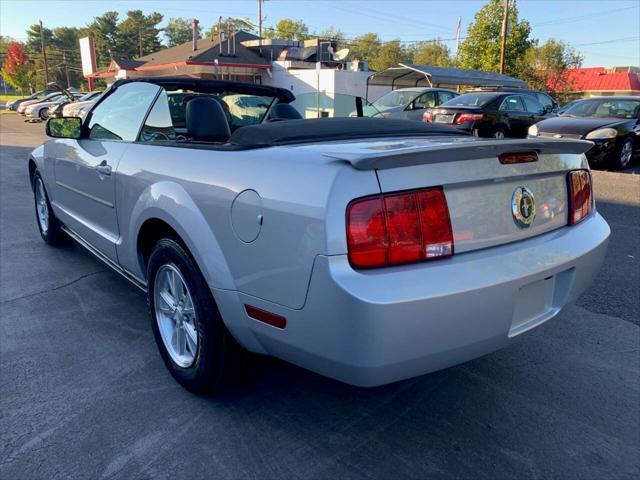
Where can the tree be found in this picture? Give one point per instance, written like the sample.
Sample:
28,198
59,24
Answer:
17,70
233,24
365,47
334,34
138,34
481,49
104,30
544,66
390,55
179,30
33,38
434,53
288,29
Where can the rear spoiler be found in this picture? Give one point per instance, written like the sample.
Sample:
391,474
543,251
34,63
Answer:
457,149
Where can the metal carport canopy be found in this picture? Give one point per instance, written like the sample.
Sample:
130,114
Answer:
410,75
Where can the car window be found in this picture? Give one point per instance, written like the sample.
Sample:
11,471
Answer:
425,100
471,100
545,100
532,105
604,108
120,115
446,96
395,98
512,104
158,126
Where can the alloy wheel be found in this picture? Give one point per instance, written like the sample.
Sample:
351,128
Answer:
625,154
175,315
42,209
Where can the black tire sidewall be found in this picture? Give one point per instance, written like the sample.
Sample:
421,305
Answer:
210,368
54,233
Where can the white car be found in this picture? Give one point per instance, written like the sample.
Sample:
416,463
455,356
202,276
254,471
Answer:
368,250
41,110
81,107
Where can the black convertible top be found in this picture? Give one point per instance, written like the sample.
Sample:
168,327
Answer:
291,132
214,86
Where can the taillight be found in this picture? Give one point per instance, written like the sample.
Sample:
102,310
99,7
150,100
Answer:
427,117
397,228
580,195
468,117
510,158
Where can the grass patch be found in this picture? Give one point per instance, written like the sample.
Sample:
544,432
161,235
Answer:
6,98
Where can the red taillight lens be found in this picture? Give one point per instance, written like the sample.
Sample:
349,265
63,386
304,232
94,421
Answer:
580,195
468,117
399,228
510,158
427,117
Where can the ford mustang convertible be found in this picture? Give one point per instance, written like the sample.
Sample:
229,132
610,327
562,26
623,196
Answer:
368,250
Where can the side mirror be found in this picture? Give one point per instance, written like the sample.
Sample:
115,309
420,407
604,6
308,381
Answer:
64,127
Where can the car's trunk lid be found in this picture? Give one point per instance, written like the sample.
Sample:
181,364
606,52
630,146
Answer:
479,189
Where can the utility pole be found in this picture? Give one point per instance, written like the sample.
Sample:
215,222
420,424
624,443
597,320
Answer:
66,70
140,40
44,55
260,18
505,21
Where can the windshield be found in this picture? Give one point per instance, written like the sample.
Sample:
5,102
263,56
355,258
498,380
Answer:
396,98
321,105
87,96
470,100
601,108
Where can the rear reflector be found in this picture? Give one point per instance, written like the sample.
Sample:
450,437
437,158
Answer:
580,195
468,117
517,157
272,319
427,117
398,228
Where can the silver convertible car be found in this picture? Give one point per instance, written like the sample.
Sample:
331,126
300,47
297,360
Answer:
368,250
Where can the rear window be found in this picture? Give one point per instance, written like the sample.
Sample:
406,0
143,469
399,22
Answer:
470,100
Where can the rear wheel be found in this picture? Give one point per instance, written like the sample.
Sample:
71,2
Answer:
626,154
48,225
499,134
191,336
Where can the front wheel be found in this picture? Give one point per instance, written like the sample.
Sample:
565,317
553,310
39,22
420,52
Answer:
48,225
626,154
191,336
44,114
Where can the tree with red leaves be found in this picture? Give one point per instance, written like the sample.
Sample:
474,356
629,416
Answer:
17,69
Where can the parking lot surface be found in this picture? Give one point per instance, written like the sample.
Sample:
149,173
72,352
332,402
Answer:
84,393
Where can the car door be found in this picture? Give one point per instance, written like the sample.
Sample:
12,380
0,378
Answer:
85,169
515,116
537,112
416,108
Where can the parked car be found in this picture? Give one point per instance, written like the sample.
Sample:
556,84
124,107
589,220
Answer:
40,111
497,115
14,104
611,123
547,101
408,103
57,110
367,250
47,98
79,109
567,105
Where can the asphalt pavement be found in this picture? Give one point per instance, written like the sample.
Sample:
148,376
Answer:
84,393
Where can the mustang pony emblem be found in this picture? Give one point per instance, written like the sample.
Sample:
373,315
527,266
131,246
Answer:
523,207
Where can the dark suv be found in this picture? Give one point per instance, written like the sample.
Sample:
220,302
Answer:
547,101
490,114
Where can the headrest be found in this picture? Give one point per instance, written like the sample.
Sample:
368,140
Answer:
206,120
284,111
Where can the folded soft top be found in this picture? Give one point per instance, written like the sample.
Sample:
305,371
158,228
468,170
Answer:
333,129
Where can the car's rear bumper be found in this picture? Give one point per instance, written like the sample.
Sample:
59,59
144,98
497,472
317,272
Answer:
373,327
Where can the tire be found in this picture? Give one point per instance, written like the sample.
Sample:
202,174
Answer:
48,225
193,341
43,114
499,134
625,155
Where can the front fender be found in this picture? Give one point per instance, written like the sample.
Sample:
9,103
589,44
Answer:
170,202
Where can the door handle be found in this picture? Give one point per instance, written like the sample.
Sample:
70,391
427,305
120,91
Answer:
103,168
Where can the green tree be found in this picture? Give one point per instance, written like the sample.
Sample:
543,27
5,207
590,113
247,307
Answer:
33,38
17,70
481,48
288,29
434,53
544,66
390,55
104,30
365,47
138,34
233,24
334,34
179,30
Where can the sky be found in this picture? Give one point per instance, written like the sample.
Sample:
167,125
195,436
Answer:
606,32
